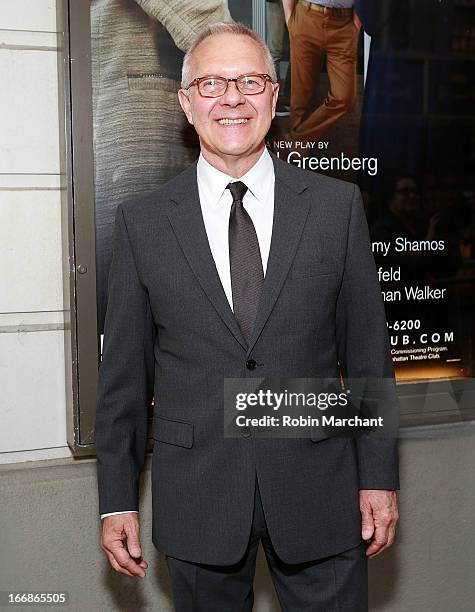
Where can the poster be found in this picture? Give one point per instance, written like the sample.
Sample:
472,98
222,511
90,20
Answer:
378,92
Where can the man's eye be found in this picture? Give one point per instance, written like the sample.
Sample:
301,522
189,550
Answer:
210,82
252,83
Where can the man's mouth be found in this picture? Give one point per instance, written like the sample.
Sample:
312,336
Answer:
226,121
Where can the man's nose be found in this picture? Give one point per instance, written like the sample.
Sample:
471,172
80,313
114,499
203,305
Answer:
232,95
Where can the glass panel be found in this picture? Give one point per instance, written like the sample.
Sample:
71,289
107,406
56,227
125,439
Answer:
388,106
393,111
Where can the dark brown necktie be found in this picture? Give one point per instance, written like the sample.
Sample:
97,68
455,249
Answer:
247,276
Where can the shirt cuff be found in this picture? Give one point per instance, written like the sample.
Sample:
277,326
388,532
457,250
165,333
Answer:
121,512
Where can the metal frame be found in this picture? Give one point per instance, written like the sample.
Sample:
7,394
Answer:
79,204
78,220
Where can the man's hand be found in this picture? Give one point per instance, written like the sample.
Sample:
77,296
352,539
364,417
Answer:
379,515
115,530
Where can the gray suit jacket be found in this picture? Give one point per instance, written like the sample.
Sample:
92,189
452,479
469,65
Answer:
171,333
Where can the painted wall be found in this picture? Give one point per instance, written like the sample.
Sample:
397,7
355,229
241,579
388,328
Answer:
32,381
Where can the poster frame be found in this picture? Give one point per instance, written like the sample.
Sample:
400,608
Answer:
440,406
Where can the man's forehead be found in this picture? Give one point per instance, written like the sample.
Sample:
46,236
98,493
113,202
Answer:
220,53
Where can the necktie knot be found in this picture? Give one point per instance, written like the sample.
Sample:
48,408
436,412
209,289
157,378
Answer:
238,190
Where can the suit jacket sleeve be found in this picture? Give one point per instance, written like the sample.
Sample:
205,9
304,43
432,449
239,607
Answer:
126,377
363,349
185,19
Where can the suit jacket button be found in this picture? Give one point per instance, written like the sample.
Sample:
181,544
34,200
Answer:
245,432
251,364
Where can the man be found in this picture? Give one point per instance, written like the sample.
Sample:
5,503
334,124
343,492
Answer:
241,267
321,29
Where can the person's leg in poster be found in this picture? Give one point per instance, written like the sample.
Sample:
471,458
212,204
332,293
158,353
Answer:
275,31
334,31
275,38
306,61
341,47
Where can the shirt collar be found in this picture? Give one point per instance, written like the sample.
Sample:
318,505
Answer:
257,179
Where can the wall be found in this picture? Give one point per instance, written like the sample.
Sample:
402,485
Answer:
32,381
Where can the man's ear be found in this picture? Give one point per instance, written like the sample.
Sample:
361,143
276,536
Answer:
275,95
185,104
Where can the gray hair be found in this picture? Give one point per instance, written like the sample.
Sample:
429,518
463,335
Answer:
237,29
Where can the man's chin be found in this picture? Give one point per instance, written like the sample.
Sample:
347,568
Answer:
232,149
234,152
238,149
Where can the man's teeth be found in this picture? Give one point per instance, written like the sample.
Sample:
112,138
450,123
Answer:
231,121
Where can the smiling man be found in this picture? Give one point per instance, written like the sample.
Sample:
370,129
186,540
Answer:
241,267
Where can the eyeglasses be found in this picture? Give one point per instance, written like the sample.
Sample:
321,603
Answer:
215,86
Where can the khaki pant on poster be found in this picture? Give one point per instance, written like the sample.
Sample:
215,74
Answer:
315,33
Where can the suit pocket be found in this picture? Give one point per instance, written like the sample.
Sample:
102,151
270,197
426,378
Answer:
179,433
309,272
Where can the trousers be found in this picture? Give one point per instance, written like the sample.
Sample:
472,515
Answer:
314,36
333,584
275,23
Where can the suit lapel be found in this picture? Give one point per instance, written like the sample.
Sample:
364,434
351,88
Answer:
188,225
290,214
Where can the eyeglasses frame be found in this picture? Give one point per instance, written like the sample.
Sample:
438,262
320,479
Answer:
197,81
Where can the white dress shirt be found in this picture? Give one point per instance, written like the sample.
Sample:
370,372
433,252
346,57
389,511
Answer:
215,202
